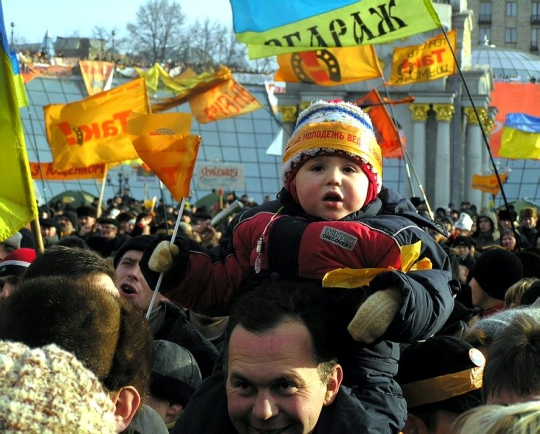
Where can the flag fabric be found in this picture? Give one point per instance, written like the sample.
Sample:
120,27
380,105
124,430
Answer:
388,135
17,198
227,100
488,183
18,81
97,75
166,148
284,26
425,62
520,137
329,66
93,131
48,172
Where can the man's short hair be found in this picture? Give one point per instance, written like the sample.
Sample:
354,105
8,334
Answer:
265,308
106,333
514,357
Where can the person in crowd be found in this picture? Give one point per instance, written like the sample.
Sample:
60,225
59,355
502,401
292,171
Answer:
511,372
513,295
507,219
167,320
74,263
108,335
87,217
508,240
12,269
68,222
9,244
143,224
50,231
487,233
494,272
530,260
107,241
531,295
441,378
528,218
464,225
462,245
330,215
124,222
281,372
174,378
47,390
465,266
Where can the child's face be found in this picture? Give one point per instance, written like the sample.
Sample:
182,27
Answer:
331,187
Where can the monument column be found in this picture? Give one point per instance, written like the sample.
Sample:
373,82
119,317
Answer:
443,181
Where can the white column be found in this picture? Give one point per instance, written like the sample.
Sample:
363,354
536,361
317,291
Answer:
417,146
474,146
443,181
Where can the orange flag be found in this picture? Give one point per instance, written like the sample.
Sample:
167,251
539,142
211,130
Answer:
97,75
429,61
224,101
329,66
488,183
93,131
166,147
47,171
388,135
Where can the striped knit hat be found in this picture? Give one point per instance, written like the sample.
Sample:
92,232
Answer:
335,128
16,263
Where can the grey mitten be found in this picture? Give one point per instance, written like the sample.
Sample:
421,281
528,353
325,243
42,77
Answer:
163,256
375,315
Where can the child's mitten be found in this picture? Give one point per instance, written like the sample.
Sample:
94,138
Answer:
375,315
163,256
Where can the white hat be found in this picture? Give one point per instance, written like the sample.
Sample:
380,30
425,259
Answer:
13,241
464,223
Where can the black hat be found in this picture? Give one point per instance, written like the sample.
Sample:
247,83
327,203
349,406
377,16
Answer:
71,216
466,261
531,295
175,374
496,270
530,262
108,221
505,215
86,211
461,240
49,223
439,369
139,242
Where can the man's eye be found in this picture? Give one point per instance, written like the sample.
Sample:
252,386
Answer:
317,168
287,388
349,169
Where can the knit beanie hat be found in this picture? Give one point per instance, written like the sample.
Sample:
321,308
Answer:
16,263
496,270
465,222
139,243
334,128
13,241
47,390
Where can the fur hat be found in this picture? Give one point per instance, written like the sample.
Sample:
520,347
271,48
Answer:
175,373
139,243
13,241
71,216
48,390
334,128
464,223
506,215
16,263
429,373
462,240
528,212
86,211
496,270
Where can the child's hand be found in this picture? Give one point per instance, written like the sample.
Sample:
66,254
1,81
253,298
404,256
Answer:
162,257
375,315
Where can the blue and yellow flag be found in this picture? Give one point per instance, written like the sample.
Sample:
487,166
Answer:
285,26
17,199
520,137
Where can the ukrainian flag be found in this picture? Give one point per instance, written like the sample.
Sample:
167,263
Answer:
284,26
520,137
17,199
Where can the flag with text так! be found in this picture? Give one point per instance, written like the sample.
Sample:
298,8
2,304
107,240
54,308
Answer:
17,199
431,60
285,26
166,148
329,66
520,137
93,130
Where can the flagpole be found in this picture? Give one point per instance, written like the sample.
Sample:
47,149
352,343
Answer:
102,191
173,237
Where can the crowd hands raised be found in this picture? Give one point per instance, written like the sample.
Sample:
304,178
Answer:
249,334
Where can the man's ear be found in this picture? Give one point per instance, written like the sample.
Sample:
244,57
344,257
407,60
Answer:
332,386
173,410
414,425
127,401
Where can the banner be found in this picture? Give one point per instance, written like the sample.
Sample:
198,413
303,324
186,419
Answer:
97,75
93,131
284,26
47,172
220,175
429,61
17,199
329,66
520,137
488,183
165,148
227,100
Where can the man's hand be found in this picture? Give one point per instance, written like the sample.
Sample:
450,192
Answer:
162,256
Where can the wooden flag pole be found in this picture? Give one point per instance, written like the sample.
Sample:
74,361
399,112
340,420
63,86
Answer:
102,192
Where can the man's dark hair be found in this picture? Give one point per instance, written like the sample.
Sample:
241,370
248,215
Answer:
69,262
265,308
106,333
514,357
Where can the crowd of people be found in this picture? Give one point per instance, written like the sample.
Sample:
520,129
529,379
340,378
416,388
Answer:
339,307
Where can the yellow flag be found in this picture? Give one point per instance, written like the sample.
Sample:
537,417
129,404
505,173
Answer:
224,101
329,66
97,75
93,131
488,183
17,200
429,61
167,148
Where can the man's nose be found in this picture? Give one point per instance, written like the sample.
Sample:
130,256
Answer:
264,407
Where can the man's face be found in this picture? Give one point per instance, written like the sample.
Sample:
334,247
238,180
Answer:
479,296
484,225
528,222
108,231
48,231
65,224
86,223
131,283
463,249
8,285
5,249
273,384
